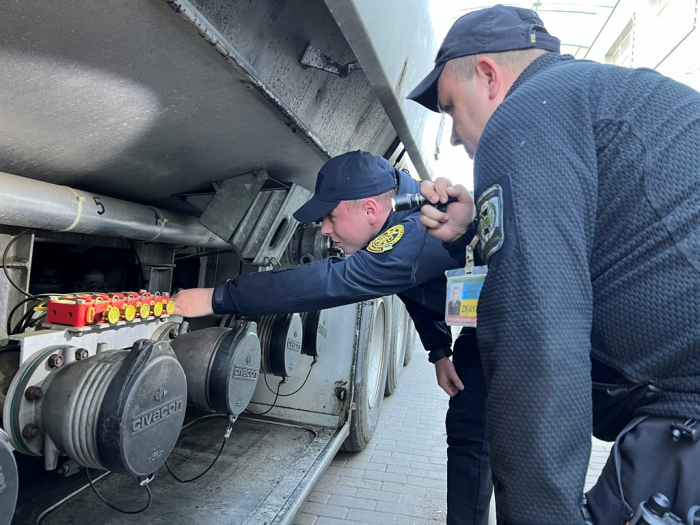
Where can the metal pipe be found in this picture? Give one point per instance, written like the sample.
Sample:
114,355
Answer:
34,204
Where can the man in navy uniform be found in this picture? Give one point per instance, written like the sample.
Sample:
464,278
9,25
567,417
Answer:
588,184
353,199
453,307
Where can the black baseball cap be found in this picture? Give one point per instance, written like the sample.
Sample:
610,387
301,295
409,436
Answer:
350,176
498,28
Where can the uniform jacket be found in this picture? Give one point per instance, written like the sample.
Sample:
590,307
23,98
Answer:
588,179
337,281
454,307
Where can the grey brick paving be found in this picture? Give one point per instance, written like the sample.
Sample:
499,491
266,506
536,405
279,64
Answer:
392,477
400,478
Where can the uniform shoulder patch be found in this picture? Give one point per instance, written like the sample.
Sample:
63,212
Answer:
490,231
385,241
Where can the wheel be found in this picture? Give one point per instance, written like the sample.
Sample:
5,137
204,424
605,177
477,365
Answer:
369,387
397,346
411,336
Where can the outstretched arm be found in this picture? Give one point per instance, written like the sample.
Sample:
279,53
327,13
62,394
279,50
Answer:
195,302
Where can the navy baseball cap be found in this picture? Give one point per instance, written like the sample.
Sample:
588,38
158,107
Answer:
498,28
350,176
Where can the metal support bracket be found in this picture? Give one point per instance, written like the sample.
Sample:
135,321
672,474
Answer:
317,59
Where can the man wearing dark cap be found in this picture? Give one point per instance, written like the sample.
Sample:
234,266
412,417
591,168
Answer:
353,200
587,179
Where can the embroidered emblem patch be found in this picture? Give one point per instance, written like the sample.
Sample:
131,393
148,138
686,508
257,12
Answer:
490,231
385,241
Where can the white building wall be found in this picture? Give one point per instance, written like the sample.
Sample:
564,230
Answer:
664,36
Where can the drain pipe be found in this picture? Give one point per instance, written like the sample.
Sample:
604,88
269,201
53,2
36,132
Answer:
34,204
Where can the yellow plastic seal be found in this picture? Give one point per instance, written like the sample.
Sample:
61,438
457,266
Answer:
144,310
158,309
113,315
170,307
130,312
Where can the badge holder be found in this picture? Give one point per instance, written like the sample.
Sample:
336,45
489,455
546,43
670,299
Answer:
463,291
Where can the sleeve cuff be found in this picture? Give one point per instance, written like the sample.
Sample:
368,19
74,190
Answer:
457,249
220,299
435,355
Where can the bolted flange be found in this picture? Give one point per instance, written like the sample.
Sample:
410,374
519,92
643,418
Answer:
30,432
33,393
56,361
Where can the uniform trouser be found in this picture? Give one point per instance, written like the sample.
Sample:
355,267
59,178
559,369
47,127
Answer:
469,483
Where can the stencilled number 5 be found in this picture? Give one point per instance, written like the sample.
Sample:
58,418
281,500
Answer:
100,207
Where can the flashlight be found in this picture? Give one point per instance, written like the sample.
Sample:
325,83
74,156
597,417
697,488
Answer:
408,201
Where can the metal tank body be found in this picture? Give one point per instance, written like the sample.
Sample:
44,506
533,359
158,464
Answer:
119,122
109,117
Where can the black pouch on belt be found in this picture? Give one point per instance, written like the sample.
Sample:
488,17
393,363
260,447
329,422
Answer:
615,399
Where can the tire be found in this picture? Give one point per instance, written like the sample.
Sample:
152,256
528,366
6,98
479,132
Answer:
411,336
397,346
369,391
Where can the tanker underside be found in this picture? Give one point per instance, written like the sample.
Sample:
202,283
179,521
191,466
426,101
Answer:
144,100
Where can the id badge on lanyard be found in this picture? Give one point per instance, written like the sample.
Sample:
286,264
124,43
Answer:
463,292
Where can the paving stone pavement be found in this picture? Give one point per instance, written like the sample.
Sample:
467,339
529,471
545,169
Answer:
400,478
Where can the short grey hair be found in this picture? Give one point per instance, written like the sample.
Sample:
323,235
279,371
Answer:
464,68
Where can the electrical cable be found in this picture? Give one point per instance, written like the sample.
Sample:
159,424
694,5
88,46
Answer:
20,326
143,483
273,402
39,297
302,385
34,322
26,320
4,262
8,328
28,296
227,434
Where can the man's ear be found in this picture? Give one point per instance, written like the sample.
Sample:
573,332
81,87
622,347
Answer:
490,76
371,209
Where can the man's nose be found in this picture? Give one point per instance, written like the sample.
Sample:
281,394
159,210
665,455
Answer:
454,139
326,226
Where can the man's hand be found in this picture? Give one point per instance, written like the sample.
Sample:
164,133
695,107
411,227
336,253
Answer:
195,302
451,225
447,377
